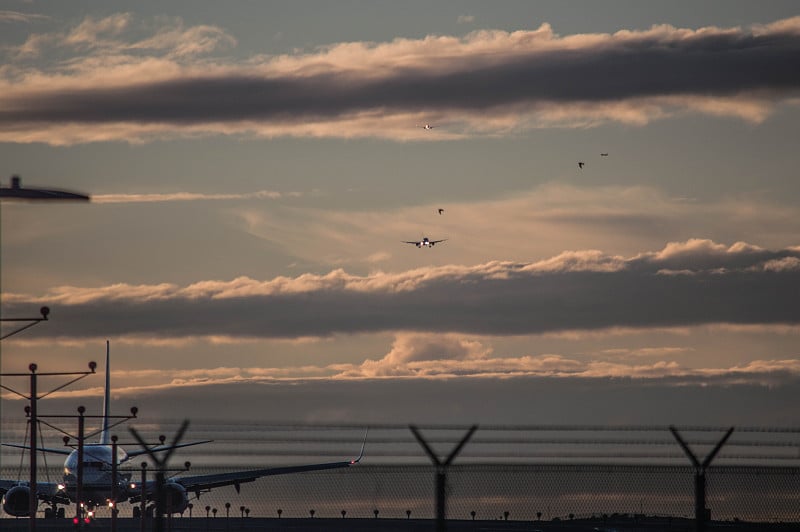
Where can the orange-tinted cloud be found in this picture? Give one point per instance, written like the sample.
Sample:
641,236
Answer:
490,82
583,290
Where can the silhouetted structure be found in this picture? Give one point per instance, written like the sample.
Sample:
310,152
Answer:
17,191
441,473
701,513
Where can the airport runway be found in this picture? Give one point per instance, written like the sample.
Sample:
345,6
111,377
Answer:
201,524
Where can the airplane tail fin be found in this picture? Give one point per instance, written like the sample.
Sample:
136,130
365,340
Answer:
105,438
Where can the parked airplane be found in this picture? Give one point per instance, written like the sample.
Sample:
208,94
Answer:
97,487
424,243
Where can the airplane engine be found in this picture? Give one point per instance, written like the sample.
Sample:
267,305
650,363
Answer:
175,498
16,501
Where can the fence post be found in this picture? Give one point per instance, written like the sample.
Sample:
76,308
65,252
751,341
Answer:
441,472
701,513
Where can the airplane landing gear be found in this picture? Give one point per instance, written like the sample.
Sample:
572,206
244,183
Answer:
54,512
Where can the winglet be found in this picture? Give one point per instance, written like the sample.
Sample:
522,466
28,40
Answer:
361,454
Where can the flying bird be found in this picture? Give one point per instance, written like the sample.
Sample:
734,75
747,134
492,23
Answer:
580,164
441,211
603,155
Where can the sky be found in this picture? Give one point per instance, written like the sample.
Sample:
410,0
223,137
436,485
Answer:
256,169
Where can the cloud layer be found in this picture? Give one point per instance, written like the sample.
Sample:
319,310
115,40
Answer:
488,82
687,283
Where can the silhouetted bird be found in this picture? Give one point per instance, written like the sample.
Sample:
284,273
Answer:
603,155
441,211
580,164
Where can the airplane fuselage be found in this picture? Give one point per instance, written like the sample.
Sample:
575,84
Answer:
97,475
425,243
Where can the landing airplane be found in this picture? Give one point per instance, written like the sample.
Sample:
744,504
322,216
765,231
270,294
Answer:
424,243
97,488
427,126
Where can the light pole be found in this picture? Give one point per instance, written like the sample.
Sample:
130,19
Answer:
114,482
33,321
81,438
79,487
161,468
33,416
143,502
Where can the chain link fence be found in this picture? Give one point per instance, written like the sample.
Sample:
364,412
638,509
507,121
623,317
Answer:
514,473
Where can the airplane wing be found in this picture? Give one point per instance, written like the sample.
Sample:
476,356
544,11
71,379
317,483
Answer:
200,483
410,242
437,241
160,448
65,452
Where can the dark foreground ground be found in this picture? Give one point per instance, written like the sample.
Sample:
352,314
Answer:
202,524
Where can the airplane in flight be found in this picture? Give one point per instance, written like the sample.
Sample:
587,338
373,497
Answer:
427,126
424,243
17,191
97,474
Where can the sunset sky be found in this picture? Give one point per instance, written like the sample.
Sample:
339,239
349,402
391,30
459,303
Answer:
255,167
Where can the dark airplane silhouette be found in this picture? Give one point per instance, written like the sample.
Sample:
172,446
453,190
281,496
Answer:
424,243
16,191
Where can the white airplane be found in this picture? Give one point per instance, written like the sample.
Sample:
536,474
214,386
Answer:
97,488
427,126
424,243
